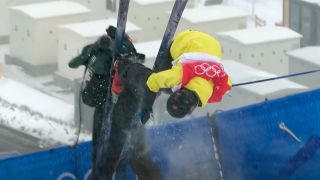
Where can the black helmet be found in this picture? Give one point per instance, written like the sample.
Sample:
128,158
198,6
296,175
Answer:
181,103
104,43
128,50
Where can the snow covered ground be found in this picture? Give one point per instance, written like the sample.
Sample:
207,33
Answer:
36,113
35,107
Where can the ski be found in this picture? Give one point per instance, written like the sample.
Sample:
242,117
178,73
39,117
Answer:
106,123
121,26
171,28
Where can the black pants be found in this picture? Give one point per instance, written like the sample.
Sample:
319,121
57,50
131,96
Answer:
123,114
96,135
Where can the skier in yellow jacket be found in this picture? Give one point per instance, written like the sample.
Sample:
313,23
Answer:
196,77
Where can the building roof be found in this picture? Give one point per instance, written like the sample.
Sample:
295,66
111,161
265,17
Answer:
96,27
260,35
149,48
212,13
240,73
51,9
310,54
148,2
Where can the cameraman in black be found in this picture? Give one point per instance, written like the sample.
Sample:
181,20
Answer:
97,58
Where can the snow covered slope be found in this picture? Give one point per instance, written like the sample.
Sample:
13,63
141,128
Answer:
35,113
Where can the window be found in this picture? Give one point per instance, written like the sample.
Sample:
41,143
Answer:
65,47
28,33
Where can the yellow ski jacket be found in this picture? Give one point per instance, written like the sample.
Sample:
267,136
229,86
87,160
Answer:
189,42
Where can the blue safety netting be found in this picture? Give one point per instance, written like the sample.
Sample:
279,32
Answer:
182,150
278,139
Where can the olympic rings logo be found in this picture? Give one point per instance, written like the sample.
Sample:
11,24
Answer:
209,70
68,175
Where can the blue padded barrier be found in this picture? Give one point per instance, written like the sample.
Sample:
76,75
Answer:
183,150
253,146
43,165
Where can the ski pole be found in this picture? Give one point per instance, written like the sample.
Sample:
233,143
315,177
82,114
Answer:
171,28
275,78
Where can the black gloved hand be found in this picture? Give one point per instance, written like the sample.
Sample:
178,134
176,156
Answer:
147,103
102,48
144,115
83,58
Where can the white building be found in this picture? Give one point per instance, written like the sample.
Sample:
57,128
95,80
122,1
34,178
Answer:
98,8
73,37
152,16
213,19
4,16
150,49
33,36
263,48
1,68
305,59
